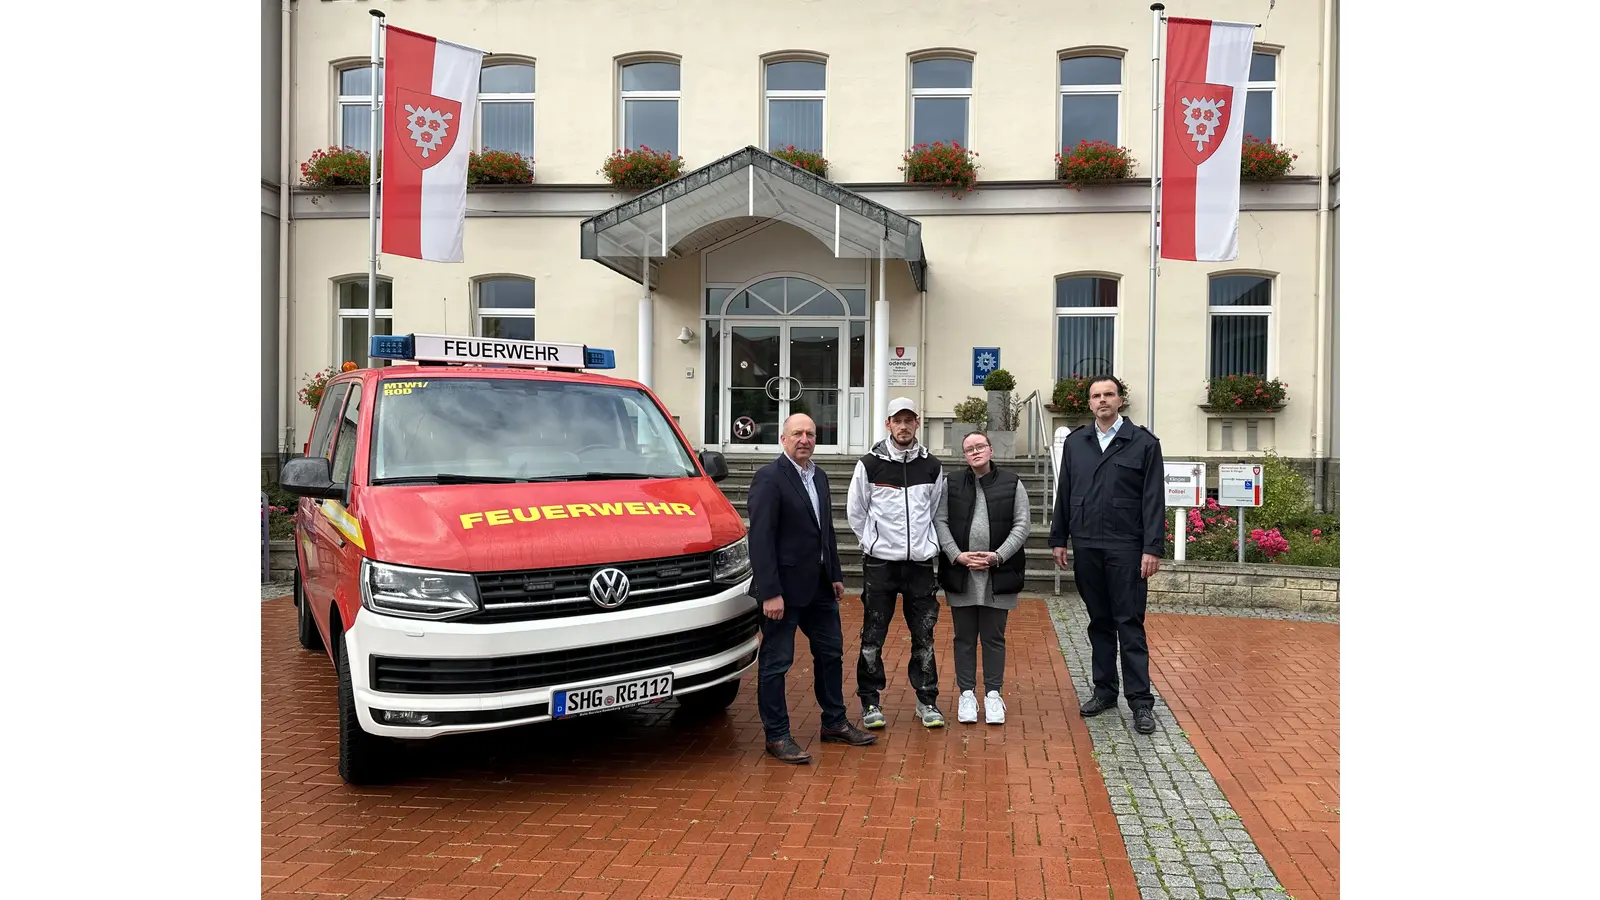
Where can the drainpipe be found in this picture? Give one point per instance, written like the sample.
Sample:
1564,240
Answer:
285,393
922,361
1319,408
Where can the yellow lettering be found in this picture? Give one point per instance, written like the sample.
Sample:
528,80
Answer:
682,509
573,510
658,509
532,516
468,518
609,509
635,508
554,512
500,517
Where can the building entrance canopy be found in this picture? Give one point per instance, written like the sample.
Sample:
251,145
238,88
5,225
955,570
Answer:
735,193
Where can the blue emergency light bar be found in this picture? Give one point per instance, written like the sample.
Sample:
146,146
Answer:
445,348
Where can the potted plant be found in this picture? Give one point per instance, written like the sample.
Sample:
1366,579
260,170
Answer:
337,167
1070,398
641,169
1002,412
311,394
1245,393
946,165
973,411
499,167
809,160
1263,160
1092,162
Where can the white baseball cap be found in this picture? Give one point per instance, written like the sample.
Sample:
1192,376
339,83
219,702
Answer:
899,405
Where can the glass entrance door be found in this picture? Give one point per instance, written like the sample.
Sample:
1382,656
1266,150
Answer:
775,369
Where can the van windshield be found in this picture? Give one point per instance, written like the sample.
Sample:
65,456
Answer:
463,430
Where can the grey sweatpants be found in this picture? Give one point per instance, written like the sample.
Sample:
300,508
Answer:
975,623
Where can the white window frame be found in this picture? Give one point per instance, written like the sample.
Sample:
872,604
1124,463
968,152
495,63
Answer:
479,313
951,93
342,315
364,101
530,98
1081,90
1277,62
1114,314
1267,311
770,95
624,96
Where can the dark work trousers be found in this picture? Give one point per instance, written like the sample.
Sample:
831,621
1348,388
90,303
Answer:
975,623
885,579
819,619
1115,595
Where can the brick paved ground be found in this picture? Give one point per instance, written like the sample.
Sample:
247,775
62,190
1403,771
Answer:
1260,702
637,805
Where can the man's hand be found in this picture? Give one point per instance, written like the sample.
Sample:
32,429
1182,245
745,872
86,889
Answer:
972,560
838,590
1060,553
773,608
1149,565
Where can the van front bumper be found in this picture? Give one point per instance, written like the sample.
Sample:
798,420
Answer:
421,679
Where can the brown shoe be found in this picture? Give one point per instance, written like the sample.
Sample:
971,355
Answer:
788,751
849,734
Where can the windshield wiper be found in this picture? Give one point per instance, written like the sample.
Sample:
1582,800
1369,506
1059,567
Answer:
613,476
448,478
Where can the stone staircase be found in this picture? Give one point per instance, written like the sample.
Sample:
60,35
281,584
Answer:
1042,576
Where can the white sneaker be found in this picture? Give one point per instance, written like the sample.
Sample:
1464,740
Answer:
967,707
994,709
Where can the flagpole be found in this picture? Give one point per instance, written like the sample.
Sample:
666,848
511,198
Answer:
1156,76
372,191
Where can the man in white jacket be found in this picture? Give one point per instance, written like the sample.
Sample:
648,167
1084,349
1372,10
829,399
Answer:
894,494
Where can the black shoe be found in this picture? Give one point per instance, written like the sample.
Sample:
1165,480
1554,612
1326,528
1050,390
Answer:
788,751
1097,705
1144,721
849,734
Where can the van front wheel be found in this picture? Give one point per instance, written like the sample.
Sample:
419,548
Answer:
363,758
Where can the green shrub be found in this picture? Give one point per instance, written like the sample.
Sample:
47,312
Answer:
972,411
1000,380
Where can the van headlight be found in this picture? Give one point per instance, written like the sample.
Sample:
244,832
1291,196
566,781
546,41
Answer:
731,563
416,593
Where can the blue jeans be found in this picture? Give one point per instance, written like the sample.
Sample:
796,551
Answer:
819,619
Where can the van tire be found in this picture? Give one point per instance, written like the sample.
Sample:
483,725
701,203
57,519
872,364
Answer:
713,699
310,638
363,758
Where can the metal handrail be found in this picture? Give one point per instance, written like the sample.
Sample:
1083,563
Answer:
1039,444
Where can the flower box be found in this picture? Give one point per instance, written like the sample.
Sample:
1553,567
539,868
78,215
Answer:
811,161
1263,160
944,165
498,167
337,167
1093,162
641,169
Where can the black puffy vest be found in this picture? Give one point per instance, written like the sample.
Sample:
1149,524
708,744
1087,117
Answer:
1000,496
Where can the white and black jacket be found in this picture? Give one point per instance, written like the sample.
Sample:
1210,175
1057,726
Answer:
893,496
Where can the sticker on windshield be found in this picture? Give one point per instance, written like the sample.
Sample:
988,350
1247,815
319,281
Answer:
390,388
573,511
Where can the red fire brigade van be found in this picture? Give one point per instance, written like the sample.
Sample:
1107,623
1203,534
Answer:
489,535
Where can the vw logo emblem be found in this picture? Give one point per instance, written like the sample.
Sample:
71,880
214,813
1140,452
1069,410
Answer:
608,588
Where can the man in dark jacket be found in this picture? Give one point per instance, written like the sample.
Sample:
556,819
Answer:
794,556
1111,505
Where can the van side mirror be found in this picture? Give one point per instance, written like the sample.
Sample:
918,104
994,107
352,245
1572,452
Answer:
310,476
715,463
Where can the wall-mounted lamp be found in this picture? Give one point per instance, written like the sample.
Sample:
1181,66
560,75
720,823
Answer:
685,335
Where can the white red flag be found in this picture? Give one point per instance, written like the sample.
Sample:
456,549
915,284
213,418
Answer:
429,98
1207,81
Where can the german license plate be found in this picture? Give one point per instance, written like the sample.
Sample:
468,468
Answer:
606,697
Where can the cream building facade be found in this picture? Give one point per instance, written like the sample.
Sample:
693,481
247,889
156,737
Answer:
770,292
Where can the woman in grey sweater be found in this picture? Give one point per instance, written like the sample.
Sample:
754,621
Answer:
982,524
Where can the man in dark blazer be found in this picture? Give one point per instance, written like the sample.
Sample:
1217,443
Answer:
795,558
1111,505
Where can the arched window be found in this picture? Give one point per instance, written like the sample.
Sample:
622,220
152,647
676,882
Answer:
796,93
651,90
505,107
1240,310
1091,98
1261,108
941,100
784,296
1086,325
352,317
503,307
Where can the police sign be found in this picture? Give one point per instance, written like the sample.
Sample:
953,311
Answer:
1186,484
